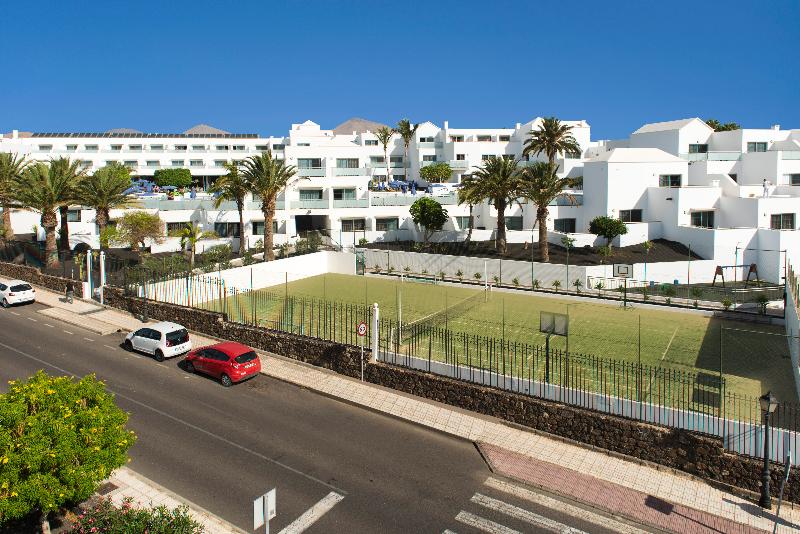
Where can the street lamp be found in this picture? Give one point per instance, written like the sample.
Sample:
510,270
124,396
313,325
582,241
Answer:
768,403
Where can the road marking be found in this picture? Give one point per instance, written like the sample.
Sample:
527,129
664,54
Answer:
162,413
88,339
67,332
110,347
313,514
49,325
448,531
524,515
555,504
483,524
32,319
15,313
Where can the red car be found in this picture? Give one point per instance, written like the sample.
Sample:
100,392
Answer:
230,362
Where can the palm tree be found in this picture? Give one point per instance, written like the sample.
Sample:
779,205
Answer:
541,185
266,177
384,135
497,181
41,190
190,235
11,168
104,191
233,187
407,131
550,139
470,197
70,172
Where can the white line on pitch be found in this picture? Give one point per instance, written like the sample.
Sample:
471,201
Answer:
483,524
32,319
67,332
313,514
524,515
670,343
555,504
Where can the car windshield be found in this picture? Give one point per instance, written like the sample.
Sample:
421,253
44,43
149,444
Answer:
178,336
246,357
21,287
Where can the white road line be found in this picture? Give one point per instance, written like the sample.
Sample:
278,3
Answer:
313,514
555,504
32,319
483,524
110,347
88,339
49,325
524,515
15,313
448,531
67,332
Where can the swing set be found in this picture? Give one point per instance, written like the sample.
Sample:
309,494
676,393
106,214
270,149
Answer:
720,271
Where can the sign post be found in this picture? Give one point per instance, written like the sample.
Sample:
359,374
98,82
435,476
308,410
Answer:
361,330
786,471
624,271
264,510
551,324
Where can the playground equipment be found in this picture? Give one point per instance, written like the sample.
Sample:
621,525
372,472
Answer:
720,271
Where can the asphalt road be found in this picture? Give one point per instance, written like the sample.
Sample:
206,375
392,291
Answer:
222,447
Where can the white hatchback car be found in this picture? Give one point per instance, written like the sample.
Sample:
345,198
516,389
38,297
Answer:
16,292
162,340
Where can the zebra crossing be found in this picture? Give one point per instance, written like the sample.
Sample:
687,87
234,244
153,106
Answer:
501,507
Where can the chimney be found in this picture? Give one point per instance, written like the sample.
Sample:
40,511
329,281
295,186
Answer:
446,125
776,127
518,126
14,134
355,133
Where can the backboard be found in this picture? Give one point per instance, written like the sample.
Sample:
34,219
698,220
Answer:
553,323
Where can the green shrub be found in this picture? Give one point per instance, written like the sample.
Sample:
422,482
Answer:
556,284
247,257
58,439
460,274
536,283
105,516
176,177
442,274
515,281
314,242
762,302
578,285
217,254
496,280
377,268
726,303
476,276
362,242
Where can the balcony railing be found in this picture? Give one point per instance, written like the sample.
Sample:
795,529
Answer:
392,199
430,144
790,154
459,164
713,156
350,171
351,203
311,171
313,204
256,205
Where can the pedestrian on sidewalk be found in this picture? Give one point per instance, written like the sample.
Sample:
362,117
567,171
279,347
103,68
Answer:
765,185
70,291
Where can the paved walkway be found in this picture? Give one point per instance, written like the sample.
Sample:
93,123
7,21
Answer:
527,455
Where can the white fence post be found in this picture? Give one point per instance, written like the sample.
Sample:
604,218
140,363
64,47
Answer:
375,315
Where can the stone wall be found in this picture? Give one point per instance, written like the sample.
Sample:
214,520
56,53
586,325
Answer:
693,453
32,275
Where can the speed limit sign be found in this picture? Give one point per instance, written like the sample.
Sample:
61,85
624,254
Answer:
362,329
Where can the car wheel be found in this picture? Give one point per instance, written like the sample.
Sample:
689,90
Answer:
5,303
189,367
159,355
226,381
128,345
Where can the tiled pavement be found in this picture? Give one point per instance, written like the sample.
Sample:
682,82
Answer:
530,451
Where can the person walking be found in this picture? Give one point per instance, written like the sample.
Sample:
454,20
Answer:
766,188
70,291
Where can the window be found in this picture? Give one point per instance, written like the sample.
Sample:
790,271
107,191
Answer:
794,179
227,229
309,163
376,159
195,162
178,163
461,157
572,155
347,163
396,159
158,148
669,180
176,337
344,194
135,148
246,357
21,287
485,157
566,225
514,222
152,163
258,227
311,194
116,148
370,142
278,146
508,157
353,225
111,161
222,147
456,138
91,148
74,216
463,222
72,148
484,138
782,221
181,148
86,164
504,138
219,162
131,163
387,224
758,146
262,148
198,148
431,157
698,148
630,216
175,227
426,139
239,148
703,219
45,148
303,144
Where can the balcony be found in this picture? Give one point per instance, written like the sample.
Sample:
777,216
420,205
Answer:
460,164
350,171
561,200
392,199
790,154
256,205
430,144
311,171
312,204
713,156
351,203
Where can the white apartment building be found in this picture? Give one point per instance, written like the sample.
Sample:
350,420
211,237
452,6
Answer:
677,180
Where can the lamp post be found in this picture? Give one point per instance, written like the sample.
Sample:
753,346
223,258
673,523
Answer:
768,403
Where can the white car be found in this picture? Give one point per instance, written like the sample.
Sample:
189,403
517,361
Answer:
16,292
162,340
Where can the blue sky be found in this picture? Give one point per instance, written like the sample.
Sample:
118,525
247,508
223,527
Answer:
257,67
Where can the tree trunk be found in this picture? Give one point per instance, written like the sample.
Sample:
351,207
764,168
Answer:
8,231
386,160
191,255
500,241
405,162
101,218
544,246
64,232
242,237
50,250
469,231
269,215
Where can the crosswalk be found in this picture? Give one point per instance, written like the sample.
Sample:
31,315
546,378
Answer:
514,509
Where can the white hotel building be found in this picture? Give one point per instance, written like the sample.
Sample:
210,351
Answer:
676,180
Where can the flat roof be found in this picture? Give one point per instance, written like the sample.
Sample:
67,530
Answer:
144,135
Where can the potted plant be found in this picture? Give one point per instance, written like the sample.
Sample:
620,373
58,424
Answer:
556,285
460,275
578,285
515,281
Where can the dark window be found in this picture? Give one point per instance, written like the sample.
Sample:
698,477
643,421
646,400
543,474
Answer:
566,226
669,180
175,226
463,222
703,219
794,179
504,138
514,223
758,146
734,177
370,142
278,146
74,216
387,224
154,334
782,221
344,194
258,227
309,163
178,336
347,163
311,194
630,216
142,332
3,287
227,229
698,148
431,157
572,155
246,357
21,287
461,157
353,225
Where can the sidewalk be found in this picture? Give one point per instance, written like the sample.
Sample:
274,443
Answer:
666,497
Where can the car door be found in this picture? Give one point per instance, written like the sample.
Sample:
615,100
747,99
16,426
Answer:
199,361
215,362
139,338
3,289
155,340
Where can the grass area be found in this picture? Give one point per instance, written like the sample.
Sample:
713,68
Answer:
754,357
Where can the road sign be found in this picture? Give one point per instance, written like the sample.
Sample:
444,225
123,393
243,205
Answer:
362,329
258,513
623,270
553,323
264,510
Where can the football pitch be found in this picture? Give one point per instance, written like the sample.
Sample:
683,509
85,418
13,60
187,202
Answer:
753,357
